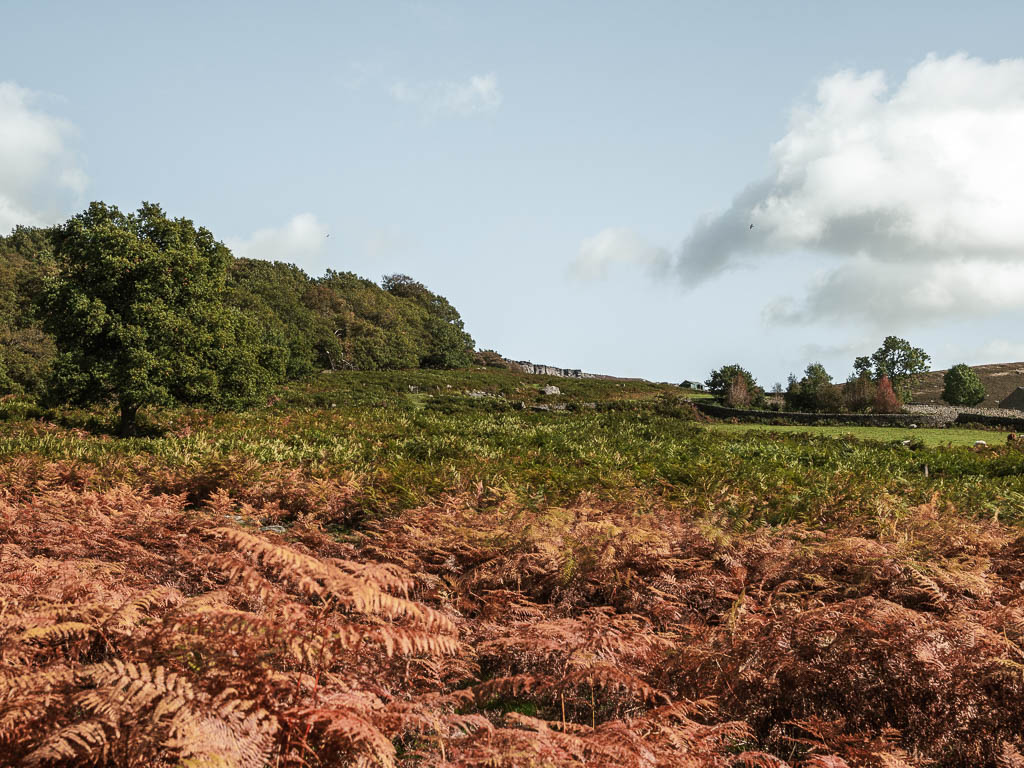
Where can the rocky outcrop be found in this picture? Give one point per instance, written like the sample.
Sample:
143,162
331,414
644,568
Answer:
549,370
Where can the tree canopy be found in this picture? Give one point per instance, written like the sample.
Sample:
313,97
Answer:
815,392
898,360
722,384
26,350
962,386
136,308
147,309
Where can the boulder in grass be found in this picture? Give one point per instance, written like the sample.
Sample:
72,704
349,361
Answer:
551,389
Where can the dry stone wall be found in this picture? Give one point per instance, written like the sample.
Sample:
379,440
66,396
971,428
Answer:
921,415
811,419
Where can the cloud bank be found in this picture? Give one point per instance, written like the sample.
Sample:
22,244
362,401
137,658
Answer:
909,198
302,238
611,247
41,179
477,95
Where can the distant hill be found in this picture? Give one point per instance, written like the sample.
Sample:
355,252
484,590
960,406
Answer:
1000,379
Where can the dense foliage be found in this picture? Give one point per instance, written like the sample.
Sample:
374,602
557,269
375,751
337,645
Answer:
962,386
723,384
815,392
136,309
390,569
859,391
26,351
287,323
886,399
898,360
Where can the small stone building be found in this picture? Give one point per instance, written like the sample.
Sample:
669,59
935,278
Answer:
1014,400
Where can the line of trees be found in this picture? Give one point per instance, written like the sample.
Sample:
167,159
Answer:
141,309
879,383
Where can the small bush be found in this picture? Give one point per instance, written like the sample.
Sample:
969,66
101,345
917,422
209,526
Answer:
859,393
488,358
738,395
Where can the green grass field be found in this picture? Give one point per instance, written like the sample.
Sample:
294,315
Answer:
930,437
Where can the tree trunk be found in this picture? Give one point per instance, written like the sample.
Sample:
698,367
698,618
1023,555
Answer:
126,428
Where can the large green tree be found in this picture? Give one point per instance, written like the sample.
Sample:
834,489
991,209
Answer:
900,361
962,386
137,309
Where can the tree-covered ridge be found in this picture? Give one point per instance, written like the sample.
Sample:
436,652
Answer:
26,352
290,323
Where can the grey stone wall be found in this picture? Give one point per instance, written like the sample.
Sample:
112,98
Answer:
810,419
959,414
989,420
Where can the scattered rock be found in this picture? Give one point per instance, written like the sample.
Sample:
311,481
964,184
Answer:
912,426
980,444
235,518
274,528
476,393
904,442
551,389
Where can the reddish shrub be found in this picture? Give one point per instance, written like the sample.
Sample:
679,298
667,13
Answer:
739,394
885,398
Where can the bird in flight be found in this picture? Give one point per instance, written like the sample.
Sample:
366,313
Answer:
751,227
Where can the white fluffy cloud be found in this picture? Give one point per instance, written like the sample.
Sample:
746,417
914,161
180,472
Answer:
301,239
40,176
478,94
912,196
611,247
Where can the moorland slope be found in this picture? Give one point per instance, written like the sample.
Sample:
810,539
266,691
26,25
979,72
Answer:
1000,379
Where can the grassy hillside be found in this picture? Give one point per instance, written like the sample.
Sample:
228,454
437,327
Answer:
419,568
1000,379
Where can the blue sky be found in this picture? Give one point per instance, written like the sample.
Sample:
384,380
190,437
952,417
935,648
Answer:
578,178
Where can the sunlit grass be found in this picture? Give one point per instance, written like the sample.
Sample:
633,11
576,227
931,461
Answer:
930,437
631,443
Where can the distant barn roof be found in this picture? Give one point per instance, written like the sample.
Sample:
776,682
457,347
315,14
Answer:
1014,400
